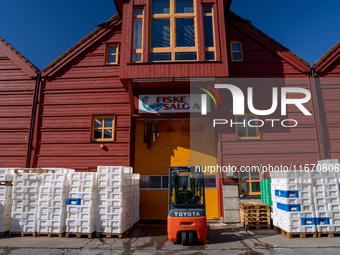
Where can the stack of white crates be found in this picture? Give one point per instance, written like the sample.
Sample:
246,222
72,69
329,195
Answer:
82,203
118,199
293,207
6,201
25,196
53,194
326,196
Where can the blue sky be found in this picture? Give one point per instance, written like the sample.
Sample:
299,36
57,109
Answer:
42,30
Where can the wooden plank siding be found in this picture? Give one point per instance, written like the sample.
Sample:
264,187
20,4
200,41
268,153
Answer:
278,145
83,87
16,100
328,89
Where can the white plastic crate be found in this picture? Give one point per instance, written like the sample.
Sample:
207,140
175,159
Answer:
87,216
43,216
307,208
85,230
324,228
47,176
89,176
33,183
76,175
324,214
79,209
319,193
87,188
57,230
307,229
59,189
332,193
19,182
58,203
321,207
82,195
334,207
72,228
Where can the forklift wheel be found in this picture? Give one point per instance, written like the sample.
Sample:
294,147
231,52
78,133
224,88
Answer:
191,238
184,238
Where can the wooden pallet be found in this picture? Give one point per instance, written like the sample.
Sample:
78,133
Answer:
6,233
32,170
80,235
329,234
6,183
113,235
258,226
22,234
51,234
295,235
253,205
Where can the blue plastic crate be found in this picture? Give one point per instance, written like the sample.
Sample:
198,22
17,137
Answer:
74,201
288,208
286,193
322,221
308,221
289,194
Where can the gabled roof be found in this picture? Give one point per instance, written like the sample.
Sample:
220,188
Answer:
18,59
328,58
80,46
270,43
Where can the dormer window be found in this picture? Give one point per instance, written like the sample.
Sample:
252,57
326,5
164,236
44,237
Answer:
173,30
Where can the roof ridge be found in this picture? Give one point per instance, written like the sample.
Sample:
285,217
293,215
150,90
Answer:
327,54
248,23
25,60
99,27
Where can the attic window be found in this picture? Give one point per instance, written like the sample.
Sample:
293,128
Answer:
111,54
236,50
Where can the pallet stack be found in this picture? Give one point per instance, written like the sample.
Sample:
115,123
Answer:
26,183
255,215
310,204
118,201
81,205
6,201
327,199
52,202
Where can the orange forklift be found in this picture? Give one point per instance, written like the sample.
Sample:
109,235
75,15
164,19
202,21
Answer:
187,222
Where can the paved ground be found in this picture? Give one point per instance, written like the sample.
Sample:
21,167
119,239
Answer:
152,239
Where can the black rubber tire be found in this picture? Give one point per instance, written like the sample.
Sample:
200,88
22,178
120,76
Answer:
184,238
191,238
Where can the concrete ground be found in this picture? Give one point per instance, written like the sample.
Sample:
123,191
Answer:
152,239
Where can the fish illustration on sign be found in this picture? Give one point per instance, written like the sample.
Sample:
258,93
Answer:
155,107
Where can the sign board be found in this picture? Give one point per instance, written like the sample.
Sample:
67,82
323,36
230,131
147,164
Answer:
176,103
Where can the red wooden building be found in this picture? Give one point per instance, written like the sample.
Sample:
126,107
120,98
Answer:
17,92
121,96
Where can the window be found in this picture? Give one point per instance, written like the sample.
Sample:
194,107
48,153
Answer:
103,128
236,51
173,30
154,181
250,182
92,169
137,44
245,127
111,56
209,41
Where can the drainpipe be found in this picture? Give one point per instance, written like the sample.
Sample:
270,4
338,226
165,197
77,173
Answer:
33,118
319,113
